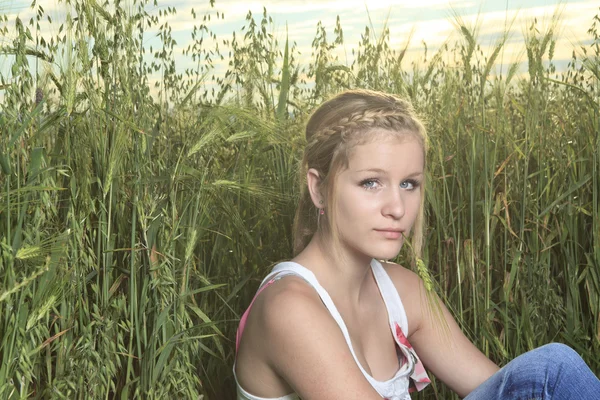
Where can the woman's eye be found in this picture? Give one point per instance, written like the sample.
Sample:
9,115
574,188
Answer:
369,184
409,184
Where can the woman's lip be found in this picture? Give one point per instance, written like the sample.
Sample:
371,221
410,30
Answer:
390,233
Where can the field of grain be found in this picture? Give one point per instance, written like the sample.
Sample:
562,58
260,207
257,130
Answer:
137,221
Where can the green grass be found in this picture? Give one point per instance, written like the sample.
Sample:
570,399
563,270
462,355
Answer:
134,229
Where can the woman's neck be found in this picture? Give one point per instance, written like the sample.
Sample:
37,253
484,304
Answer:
343,274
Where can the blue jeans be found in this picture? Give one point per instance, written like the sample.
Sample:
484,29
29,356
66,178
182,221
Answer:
554,371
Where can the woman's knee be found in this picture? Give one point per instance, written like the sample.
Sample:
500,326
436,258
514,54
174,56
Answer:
551,371
556,354
555,362
550,361
559,349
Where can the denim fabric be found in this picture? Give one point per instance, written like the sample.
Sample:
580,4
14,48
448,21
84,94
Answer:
554,371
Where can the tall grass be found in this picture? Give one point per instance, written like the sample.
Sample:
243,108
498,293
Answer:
134,228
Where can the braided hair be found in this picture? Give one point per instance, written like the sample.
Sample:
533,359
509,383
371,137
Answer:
349,119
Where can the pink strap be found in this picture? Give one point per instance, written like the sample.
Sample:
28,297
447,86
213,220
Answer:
238,336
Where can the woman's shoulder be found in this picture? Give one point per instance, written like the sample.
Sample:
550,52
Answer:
289,294
286,305
401,276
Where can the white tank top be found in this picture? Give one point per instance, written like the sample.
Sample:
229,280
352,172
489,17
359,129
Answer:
395,388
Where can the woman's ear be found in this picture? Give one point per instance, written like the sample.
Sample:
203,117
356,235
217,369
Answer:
313,180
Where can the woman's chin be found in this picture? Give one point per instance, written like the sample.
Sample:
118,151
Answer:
388,253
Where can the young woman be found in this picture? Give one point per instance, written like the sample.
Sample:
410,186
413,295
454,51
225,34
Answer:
336,323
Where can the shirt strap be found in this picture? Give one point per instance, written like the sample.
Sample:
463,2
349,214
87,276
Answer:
391,298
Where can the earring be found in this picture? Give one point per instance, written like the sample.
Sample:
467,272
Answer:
320,211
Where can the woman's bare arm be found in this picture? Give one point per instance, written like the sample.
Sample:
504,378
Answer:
437,338
302,344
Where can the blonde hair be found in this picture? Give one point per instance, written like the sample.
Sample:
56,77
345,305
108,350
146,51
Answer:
339,124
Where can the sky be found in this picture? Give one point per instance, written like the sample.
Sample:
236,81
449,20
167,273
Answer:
430,21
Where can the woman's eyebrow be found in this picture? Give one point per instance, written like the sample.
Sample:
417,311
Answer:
379,170
383,171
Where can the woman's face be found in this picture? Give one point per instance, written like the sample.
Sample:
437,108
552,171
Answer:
378,196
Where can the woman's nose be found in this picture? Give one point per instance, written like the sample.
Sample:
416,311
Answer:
394,206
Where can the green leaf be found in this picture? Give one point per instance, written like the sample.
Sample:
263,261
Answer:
284,87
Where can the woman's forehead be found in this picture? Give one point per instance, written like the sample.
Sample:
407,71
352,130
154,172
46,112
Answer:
387,150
